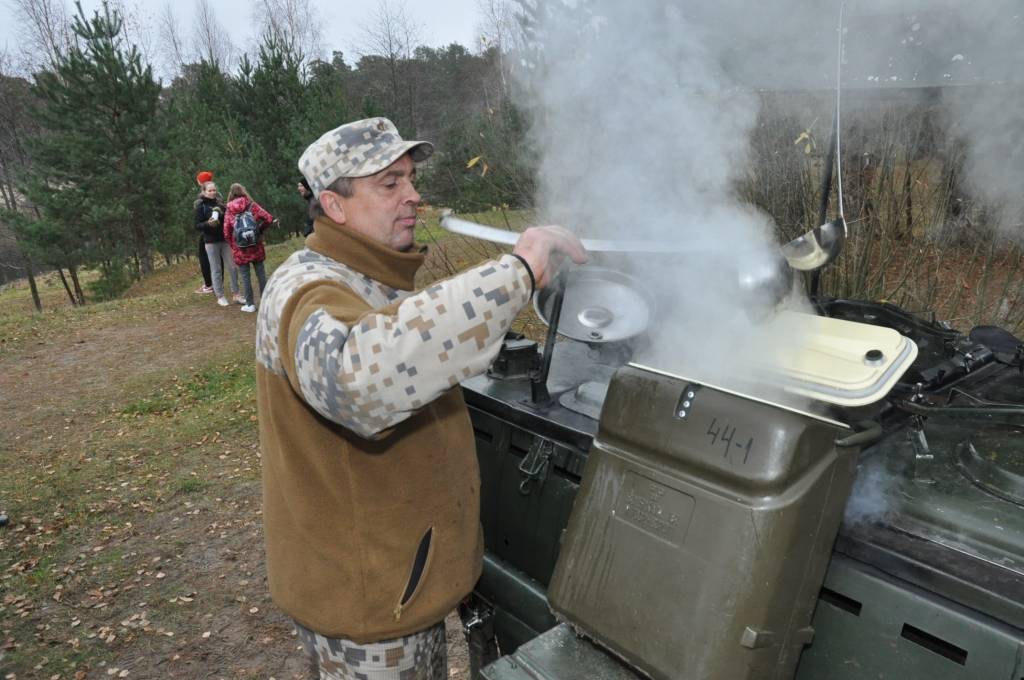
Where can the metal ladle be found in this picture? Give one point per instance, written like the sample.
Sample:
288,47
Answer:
817,247
808,252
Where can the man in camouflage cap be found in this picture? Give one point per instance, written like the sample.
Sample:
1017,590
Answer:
357,150
370,479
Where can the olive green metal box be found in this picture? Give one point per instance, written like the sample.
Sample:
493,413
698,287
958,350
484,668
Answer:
702,531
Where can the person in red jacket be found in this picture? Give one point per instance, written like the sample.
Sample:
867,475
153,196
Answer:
240,202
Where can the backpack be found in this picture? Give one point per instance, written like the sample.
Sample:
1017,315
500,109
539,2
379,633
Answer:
247,232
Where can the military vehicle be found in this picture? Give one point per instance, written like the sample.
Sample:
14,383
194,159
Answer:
653,525
641,520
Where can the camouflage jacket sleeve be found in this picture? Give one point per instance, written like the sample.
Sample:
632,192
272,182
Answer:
370,370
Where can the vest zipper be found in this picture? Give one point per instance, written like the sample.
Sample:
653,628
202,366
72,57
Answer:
416,573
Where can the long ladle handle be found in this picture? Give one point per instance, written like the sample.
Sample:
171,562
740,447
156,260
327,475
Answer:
482,231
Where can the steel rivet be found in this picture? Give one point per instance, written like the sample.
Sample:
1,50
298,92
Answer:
682,414
686,404
689,395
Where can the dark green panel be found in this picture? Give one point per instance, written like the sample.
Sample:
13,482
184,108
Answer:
559,655
868,625
511,632
522,520
491,440
513,593
530,534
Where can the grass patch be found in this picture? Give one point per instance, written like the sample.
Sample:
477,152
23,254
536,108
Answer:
230,380
169,287
223,382
78,548
278,253
148,406
41,575
190,485
108,558
55,662
20,327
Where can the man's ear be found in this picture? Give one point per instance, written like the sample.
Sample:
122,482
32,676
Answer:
331,204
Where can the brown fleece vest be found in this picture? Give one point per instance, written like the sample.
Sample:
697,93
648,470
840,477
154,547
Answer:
345,516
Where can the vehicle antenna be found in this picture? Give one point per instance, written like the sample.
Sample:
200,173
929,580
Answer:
834,155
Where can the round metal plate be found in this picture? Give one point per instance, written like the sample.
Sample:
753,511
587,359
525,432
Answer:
600,305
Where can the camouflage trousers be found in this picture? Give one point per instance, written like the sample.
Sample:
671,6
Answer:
420,656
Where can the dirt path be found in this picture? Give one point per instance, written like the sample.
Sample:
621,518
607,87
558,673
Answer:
93,362
162,575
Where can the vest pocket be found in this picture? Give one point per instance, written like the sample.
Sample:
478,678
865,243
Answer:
419,565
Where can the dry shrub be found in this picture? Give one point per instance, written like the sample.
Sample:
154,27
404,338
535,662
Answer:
917,237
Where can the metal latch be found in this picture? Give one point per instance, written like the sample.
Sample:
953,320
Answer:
478,627
923,456
479,621
534,466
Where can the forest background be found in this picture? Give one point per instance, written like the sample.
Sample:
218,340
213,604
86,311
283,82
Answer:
131,484
98,155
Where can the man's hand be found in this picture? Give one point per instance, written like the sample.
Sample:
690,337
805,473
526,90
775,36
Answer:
544,249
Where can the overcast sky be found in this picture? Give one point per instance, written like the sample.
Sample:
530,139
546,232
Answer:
441,21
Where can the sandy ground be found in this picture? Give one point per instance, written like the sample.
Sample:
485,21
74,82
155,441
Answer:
189,599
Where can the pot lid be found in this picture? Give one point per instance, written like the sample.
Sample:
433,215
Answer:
600,305
826,360
839,362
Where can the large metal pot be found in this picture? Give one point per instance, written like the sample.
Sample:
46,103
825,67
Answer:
600,305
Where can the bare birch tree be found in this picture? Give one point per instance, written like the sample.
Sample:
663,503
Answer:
392,35
173,52
497,24
292,23
136,29
497,30
44,30
210,38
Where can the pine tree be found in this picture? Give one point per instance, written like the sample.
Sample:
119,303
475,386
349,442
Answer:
204,134
271,101
98,173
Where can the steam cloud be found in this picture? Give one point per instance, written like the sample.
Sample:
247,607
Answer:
643,111
973,51
643,131
871,498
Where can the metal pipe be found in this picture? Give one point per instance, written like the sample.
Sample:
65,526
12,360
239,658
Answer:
826,192
966,411
872,433
539,380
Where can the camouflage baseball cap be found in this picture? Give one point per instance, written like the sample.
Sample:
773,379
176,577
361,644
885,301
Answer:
357,149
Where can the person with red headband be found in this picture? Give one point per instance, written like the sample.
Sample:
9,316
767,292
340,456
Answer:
209,221
204,261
